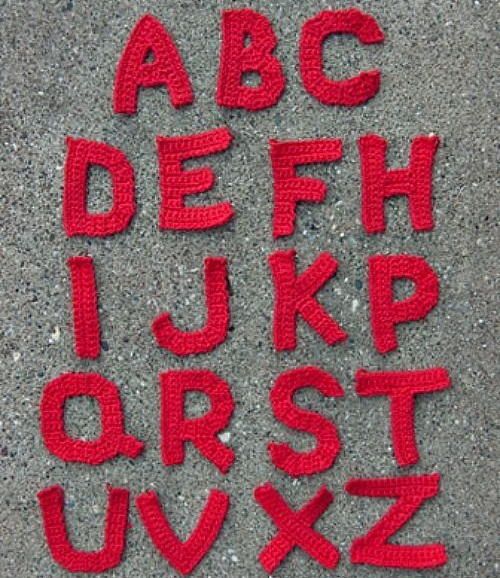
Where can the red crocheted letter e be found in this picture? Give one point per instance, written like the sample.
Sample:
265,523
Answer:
51,501
183,556
349,92
202,431
150,58
328,442
176,183
294,295
113,440
378,183
290,189
402,387
81,155
215,330
295,529
410,493
237,58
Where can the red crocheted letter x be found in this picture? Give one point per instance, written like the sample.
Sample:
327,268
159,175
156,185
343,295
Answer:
176,183
183,556
81,155
148,39
294,295
237,58
217,322
328,442
113,440
202,431
349,92
410,492
51,501
289,189
378,183
402,387
386,313
295,529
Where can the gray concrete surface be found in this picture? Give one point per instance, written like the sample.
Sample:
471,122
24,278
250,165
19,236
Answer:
57,71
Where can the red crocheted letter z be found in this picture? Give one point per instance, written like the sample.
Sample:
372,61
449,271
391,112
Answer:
217,322
148,39
386,313
379,183
113,440
202,431
176,183
238,58
183,556
328,442
373,548
402,387
81,155
289,189
349,92
51,501
294,295
85,312
295,529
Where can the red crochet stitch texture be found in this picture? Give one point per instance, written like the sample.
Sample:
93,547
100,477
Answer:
290,189
323,456
150,38
379,183
216,326
373,548
81,155
349,92
113,440
183,556
402,387
177,183
295,529
238,58
51,501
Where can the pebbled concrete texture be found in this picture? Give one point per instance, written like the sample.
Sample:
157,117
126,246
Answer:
57,69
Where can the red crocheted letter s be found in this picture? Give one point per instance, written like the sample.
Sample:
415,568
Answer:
149,38
349,92
81,155
328,442
386,313
237,58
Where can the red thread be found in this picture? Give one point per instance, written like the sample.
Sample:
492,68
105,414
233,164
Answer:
328,442
85,312
216,326
177,183
183,556
289,189
373,548
150,38
379,183
294,295
402,387
295,528
81,155
51,501
237,58
349,92
113,440
386,313
200,431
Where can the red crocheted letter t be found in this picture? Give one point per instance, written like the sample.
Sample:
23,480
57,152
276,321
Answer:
148,39
349,92
237,58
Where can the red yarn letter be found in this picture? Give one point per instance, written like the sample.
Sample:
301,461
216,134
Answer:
238,58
